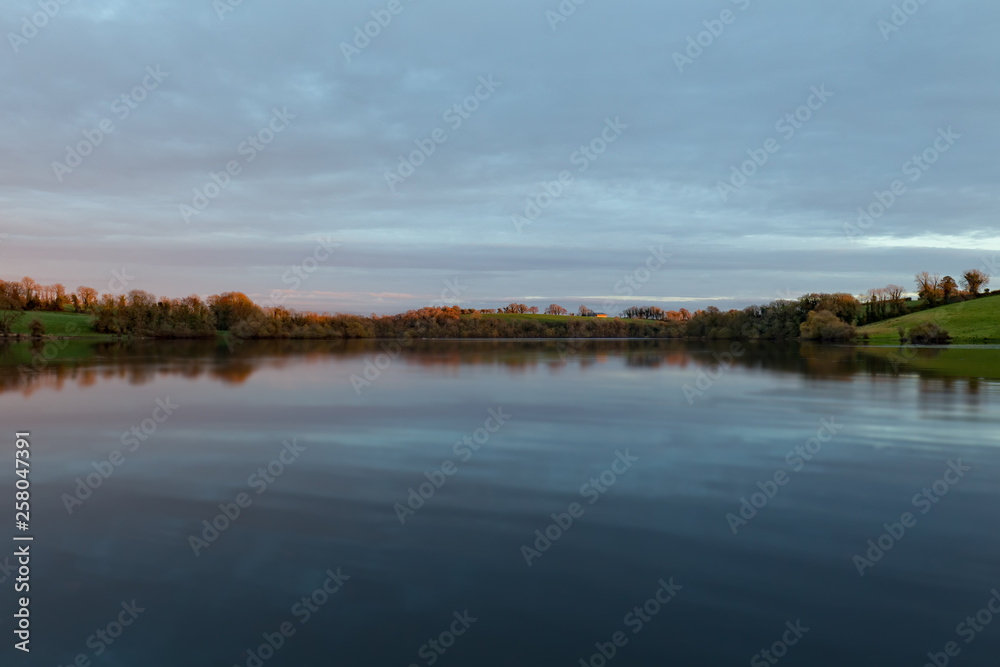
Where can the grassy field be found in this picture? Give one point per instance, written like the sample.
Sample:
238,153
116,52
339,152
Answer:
58,324
975,321
944,362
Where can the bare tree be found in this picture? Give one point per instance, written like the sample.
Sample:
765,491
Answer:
29,288
975,280
555,309
895,294
88,296
928,286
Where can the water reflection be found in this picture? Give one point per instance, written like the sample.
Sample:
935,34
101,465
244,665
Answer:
574,406
25,367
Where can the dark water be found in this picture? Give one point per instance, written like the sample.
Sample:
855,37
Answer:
603,431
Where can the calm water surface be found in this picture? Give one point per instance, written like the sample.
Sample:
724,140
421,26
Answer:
421,493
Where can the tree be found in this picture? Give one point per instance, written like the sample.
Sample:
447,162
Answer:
29,288
928,287
929,333
824,325
895,295
583,311
8,318
948,287
533,310
232,307
37,328
974,280
644,313
10,295
59,298
555,309
88,297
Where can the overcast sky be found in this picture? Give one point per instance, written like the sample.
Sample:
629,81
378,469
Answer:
199,79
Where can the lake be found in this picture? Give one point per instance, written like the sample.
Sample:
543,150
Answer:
497,503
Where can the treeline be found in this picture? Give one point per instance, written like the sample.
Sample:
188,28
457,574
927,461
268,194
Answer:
26,294
779,320
657,314
813,316
140,314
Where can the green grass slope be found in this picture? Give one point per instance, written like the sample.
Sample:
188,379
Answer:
58,324
976,321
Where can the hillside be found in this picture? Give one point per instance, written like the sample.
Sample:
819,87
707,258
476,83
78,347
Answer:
976,321
58,324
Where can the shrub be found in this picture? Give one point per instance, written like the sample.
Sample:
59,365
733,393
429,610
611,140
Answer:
37,328
929,333
824,325
8,318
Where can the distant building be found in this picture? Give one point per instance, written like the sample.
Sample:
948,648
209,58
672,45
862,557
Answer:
600,315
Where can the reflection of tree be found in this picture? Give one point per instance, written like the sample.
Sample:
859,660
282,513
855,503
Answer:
829,362
142,361
234,373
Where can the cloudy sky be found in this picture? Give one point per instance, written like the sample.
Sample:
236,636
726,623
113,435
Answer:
116,114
